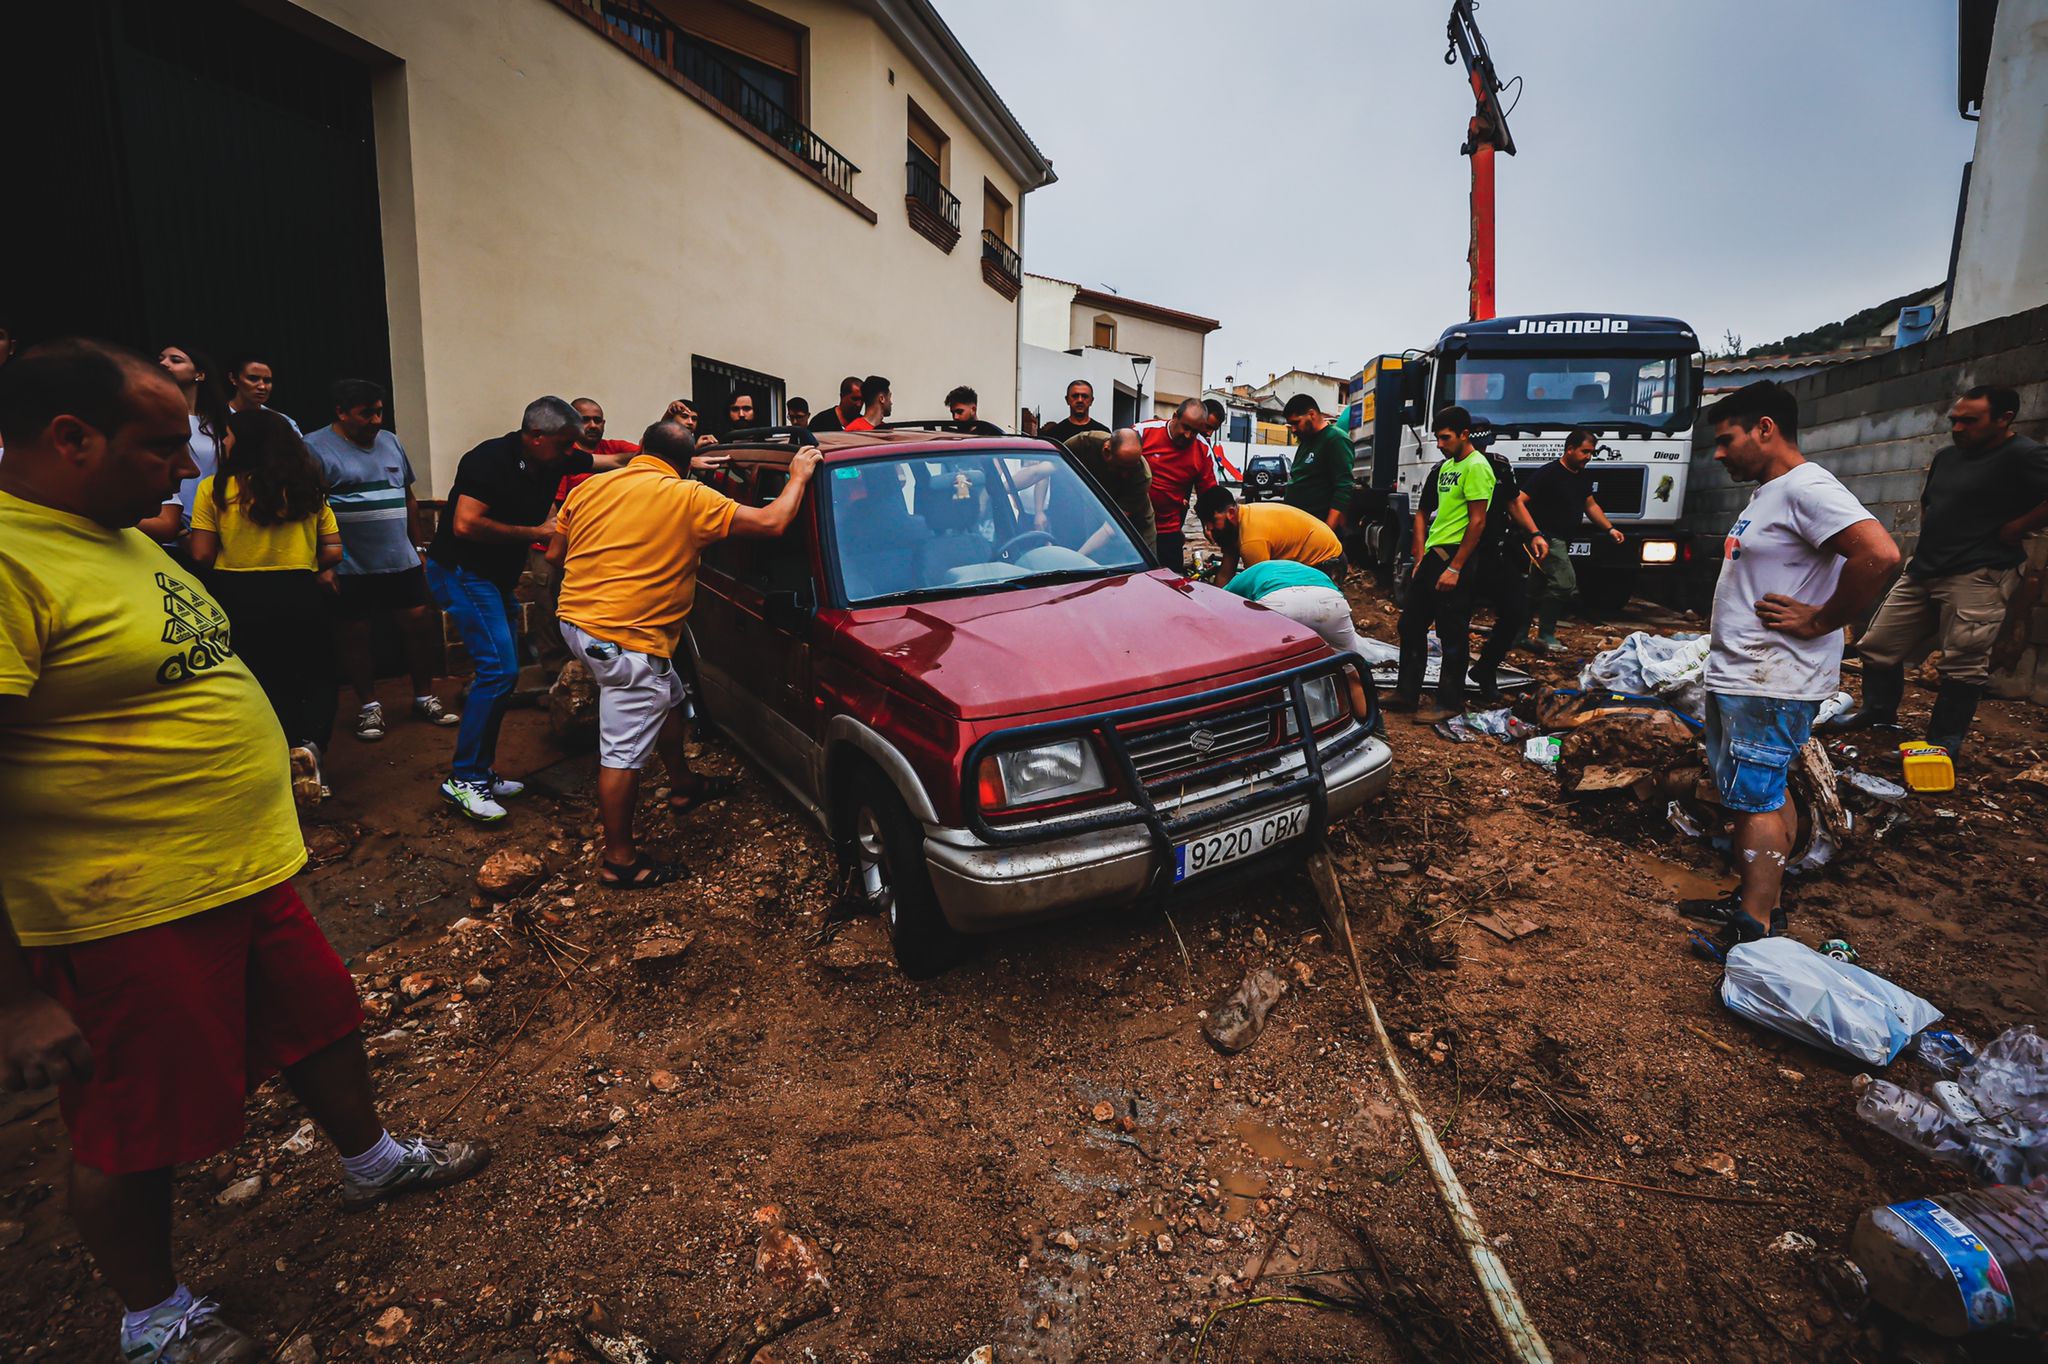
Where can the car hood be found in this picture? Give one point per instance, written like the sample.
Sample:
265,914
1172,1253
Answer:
1105,642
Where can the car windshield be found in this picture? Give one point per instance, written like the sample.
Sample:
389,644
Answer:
948,525
1572,390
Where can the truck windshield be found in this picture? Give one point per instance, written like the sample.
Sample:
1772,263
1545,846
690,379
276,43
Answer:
1558,391
949,525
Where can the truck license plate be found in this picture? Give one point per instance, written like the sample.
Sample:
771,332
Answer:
1213,850
1581,549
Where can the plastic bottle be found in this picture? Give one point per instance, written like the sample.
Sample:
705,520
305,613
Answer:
1947,1127
1957,1264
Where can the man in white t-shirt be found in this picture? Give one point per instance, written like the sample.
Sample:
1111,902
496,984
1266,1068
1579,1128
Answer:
1802,560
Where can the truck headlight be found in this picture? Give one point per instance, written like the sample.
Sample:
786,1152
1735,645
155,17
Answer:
1660,551
1040,775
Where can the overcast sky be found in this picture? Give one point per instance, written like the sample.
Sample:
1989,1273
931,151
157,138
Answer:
1291,167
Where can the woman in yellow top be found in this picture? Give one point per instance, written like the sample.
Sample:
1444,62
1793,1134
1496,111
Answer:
262,526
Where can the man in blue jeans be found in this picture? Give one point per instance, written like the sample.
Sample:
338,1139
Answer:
502,502
1802,560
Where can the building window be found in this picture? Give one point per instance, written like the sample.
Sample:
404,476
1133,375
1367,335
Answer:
934,210
1105,332
713,384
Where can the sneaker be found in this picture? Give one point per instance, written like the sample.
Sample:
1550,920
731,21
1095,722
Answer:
370,721
430,709
473,798
428,1164
504,788
195,1336
1717,911
306,787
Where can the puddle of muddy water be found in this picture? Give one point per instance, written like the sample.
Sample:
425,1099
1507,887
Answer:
1687,883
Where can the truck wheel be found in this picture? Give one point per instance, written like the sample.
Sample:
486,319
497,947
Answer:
887,861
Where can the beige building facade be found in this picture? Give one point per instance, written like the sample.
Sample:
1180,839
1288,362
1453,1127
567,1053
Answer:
638,201
1062,316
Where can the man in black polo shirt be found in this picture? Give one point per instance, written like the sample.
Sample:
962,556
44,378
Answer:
500,504
1560,493
836,418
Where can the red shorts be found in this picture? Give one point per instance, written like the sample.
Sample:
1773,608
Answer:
185,1018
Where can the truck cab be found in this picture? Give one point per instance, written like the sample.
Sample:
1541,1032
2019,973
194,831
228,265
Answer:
1527,381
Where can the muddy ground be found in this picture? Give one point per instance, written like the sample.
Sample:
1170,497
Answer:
1039,1152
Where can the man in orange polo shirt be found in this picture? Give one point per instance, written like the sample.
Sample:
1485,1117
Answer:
628,544
1267,530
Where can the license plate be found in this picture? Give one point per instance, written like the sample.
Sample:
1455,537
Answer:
1254,836
1581,549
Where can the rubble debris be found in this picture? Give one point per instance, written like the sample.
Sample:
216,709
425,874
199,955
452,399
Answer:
610,1342
1792,1243
786,1260
1237,1019
417,985
2035,776
1506,925
392,1043
1719,1163
660,943
664,1082
393,1324
301,1141
241,1191
508,873
299,1350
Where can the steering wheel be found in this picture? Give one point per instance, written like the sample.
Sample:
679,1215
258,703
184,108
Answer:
1017,544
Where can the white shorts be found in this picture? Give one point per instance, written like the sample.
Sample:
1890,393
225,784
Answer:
1323,610
635,694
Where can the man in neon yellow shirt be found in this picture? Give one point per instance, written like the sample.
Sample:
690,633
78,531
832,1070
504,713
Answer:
1444,546
155,962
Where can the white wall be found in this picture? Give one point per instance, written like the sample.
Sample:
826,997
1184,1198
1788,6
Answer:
2002,258
1045,313
1044,373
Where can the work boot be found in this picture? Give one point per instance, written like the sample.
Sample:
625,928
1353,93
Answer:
1955,706
1883,688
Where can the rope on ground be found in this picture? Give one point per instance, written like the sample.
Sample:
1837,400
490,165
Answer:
1517,1331
1256,1302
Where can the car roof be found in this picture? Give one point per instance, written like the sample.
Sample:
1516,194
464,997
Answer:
844,447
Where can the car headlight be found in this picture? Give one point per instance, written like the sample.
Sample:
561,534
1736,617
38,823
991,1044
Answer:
1660,551
1040,775
1324,701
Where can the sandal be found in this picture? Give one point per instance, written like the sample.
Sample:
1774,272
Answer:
705,789
642,873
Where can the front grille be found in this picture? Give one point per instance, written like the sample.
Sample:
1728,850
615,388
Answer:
1618,490
1162,754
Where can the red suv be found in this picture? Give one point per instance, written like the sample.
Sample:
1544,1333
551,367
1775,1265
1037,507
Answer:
965,664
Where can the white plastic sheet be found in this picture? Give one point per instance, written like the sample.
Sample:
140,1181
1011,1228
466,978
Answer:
1672,668
1790,988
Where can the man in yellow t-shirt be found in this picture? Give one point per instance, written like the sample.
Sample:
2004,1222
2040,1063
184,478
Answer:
1267,530
628,544
155,962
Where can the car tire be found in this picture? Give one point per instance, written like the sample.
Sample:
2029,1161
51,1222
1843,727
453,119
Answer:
886,856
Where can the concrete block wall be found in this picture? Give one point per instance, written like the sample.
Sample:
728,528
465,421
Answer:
1877,424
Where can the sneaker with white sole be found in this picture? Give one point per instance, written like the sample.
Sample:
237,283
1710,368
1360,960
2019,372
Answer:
473,798
370,721
430,709
196,1335
504,788
428,1164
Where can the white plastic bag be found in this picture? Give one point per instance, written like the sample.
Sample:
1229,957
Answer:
1790,988
1670,668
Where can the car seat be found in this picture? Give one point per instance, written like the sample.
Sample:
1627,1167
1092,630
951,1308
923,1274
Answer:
878,537
953,518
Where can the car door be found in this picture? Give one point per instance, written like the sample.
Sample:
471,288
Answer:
757,644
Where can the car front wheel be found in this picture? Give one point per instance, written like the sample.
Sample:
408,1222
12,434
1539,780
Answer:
890,877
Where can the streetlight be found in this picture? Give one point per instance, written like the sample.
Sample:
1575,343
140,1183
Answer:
1139,365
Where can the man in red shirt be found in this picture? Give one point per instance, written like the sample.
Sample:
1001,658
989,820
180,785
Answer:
877,402
1181,467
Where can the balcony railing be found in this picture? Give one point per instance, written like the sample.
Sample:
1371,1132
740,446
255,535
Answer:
649,30
1000,254
924,187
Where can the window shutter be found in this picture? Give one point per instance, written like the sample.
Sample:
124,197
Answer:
741,29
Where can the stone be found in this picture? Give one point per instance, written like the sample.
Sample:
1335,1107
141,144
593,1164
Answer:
1105,1111
1720,1163
418,985
660,943
301,1141
393,1324
664,1082
300,1351
1164,1243
478,984
241,1191
509,872
1066,1240
392,1043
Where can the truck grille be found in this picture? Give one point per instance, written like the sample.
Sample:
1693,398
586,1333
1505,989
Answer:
1618,490
1162,754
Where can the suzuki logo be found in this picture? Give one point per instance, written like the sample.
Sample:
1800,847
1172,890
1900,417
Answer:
1202,740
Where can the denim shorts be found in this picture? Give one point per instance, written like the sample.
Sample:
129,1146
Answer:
1751,741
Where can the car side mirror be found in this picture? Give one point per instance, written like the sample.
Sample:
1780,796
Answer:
789,611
